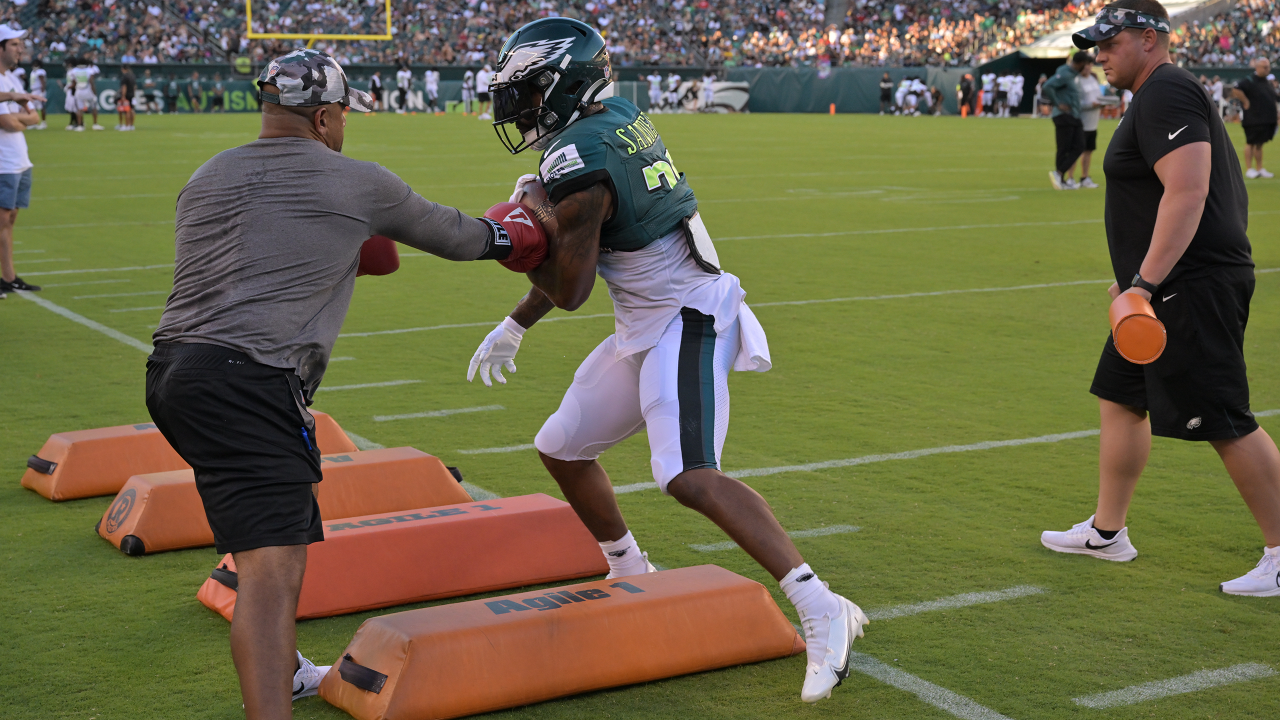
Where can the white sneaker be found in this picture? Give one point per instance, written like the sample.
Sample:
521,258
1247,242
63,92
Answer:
1251,173
1055,179
1087,182
1083,539
830,638
1070,184
42,126
79,128
1262,173
70,127
1262,581
97,127
648,568
306,681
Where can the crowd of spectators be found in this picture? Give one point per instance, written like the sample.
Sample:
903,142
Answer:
639,32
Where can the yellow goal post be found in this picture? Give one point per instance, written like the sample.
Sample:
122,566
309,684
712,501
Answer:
311,37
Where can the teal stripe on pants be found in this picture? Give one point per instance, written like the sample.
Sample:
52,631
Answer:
696,390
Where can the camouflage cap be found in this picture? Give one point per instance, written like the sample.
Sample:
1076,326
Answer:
1110,21
307,78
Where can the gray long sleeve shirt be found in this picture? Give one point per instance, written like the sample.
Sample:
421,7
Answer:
1062,89
268,240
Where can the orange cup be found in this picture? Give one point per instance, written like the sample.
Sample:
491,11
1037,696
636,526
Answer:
1138,335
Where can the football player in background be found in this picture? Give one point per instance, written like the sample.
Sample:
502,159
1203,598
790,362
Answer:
39,83
613,203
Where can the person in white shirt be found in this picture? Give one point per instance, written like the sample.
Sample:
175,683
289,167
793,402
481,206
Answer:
92,103
1215,89
482,91
655,91
375,91
404,79
988,92
80,93
1003,85
673,92
1016,85
468,91
15,165
38,85
708,90
431,78
1090,113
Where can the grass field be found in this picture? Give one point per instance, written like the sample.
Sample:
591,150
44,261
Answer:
807,208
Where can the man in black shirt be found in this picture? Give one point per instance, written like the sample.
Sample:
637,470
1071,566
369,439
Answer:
1176,216
1259,122
886,93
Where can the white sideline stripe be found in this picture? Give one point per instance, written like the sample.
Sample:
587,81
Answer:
88,282
467,325
92,325
94,225
508,449
475,491
816,532
939,697
1266,413
437,413
361,386
111,295
341,359
932,294
23,252
954,601
44,260
98,270
886,231
1202,680
136,309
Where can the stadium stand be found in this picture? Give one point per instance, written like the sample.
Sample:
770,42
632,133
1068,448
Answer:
729,33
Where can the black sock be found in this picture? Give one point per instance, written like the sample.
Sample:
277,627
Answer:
1107,534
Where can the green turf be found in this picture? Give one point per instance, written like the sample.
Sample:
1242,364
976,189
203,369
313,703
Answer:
90,633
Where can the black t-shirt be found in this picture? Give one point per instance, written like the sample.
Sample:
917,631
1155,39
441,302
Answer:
1262,101
128,86
886,89
1169,111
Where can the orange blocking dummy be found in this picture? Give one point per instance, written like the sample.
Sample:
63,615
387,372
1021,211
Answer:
485,655
88,463
162,511
396,558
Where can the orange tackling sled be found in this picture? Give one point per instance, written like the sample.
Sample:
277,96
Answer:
397,558
162,511
88,463
485,655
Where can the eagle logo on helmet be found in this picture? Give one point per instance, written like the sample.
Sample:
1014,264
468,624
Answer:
530,55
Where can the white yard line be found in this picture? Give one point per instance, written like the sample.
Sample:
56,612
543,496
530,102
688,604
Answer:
101,270
92,325
816,532
937,696
1266,413
25,252
361,386
437,413
363,443
507,449
954,601
94,225
1202,680
935,293
344,358
137,309
116,295
475,491
890,231
87,282
24,263
488,323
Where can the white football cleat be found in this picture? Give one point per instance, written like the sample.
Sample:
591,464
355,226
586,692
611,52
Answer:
1055,179
96,126
1251,173
835,636
1262,581
1087,182
1264,173
306,681
648,568
1070,184
1083,539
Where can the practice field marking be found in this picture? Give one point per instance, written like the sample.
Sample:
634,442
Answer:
1266,413
1202,680
102,224
475,491
508,449
935,293
24,252
954,601
137,309
44,260
886,231
467,325
115,295
92,325
361,386
100,270
340,359
437,413
816,532
87,282
937,696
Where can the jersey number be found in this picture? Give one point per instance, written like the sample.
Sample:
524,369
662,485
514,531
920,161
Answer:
654,173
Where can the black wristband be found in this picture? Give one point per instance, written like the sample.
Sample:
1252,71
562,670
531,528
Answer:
499,246
1141,284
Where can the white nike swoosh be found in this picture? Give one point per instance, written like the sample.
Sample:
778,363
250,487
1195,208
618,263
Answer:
1166,298
1173,135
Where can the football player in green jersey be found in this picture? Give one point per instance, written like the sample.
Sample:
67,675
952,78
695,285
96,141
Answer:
613,203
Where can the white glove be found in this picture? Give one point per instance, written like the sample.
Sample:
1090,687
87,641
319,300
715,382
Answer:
519,191
497,351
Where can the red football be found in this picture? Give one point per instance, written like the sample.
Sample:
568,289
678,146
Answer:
378,256
528,239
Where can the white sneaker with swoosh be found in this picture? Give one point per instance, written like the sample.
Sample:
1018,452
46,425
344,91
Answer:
1083,539
1262,581
830,638
306,681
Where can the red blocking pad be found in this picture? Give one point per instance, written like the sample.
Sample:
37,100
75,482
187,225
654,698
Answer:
391,559
485,655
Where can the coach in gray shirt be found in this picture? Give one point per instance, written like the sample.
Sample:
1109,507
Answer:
268,243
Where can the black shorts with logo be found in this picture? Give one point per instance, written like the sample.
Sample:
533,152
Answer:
246,431
1198,388
1259,134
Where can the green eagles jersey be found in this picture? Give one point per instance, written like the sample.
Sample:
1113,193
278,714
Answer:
621,148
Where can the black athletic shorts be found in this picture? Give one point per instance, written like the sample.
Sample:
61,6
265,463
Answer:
484,96
1197,389
1259,134
245,430
1090,140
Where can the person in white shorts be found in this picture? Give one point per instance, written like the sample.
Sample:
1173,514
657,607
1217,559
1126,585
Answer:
404,81
39,84
89,99
655,91
468,92
431,79
708,90
482,91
